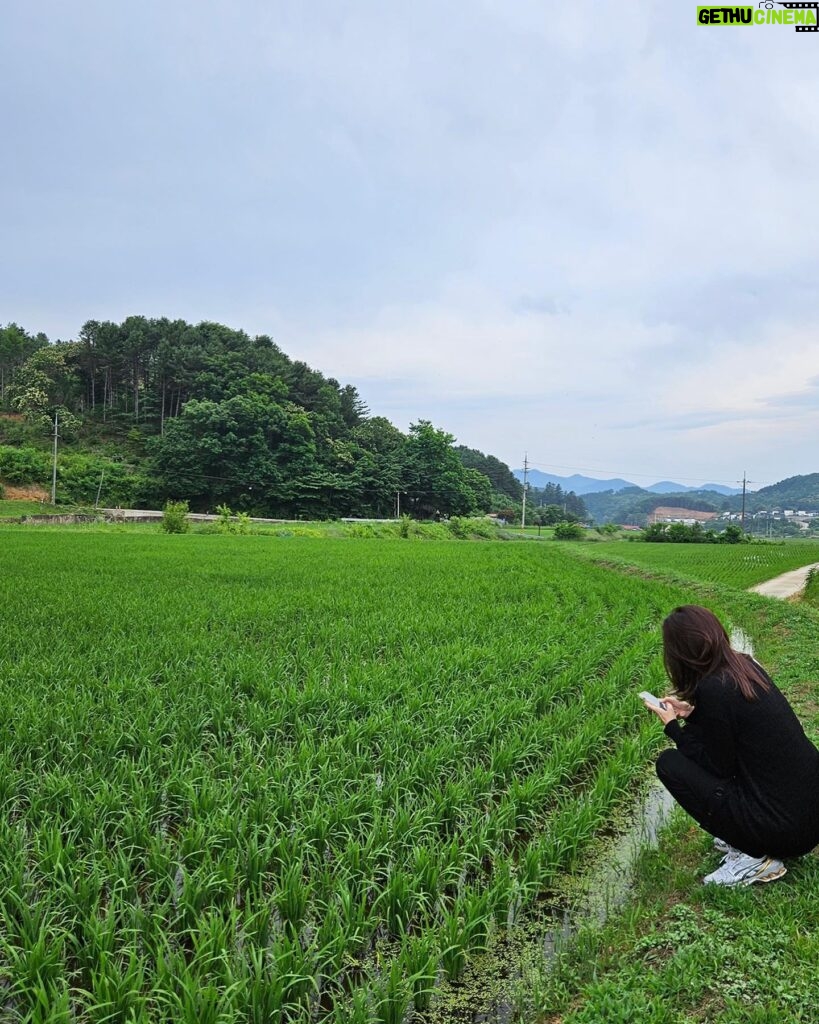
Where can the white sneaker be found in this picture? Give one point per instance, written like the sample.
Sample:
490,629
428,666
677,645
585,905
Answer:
726,850
739,868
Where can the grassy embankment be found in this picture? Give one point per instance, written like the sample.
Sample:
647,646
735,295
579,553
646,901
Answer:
14,508
811,594
682,953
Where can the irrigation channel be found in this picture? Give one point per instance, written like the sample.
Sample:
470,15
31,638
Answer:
485,994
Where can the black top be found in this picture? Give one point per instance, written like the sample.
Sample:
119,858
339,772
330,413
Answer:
760,748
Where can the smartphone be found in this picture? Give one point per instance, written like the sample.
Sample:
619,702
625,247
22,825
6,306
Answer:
649,698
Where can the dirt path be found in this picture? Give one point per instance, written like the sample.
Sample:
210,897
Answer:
787,585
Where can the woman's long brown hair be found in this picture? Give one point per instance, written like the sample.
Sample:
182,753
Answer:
695,645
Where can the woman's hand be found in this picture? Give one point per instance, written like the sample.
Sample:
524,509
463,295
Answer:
682,709
665,714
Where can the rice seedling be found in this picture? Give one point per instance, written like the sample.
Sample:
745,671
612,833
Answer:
244,780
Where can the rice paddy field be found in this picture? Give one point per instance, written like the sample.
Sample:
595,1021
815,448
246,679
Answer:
249,779
733,565
269,779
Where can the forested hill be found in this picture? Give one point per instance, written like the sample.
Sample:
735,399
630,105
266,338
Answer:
796,492
151,409
632,504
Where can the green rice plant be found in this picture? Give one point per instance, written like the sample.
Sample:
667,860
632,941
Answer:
397,903
292,896
392,995
116,990
455,944
420,957
475,906
246,765
354,1009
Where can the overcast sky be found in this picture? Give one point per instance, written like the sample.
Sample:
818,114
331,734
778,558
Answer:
587,231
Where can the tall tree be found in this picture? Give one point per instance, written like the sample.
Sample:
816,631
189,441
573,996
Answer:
501,477
436,479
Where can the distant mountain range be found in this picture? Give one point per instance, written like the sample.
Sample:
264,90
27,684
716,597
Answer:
588,485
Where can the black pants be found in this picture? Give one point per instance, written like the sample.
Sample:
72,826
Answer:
702,795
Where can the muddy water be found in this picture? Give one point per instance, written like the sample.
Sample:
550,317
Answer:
484,996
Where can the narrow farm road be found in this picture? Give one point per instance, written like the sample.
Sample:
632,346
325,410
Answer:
786,585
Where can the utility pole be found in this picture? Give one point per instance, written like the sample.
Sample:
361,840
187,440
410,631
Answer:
397,504
525,485
54,466
99,490
742,519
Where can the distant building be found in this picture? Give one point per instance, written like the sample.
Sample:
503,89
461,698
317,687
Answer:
688,516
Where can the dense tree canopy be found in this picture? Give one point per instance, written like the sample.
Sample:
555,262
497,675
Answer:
211,415
501,477
16,346
552,497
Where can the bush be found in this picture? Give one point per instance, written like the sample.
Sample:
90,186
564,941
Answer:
361,530
24,465
228,522
80,478
733,535
679,533
2,491
175,517
464,528
569,531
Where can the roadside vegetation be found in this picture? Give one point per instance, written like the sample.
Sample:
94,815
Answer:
15,508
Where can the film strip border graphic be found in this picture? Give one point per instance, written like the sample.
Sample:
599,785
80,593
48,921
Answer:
814,6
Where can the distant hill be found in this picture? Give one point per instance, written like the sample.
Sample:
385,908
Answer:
796,492
577,483
588,485
668,487
633,504
720,489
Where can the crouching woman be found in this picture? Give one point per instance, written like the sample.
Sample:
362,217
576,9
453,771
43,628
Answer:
743,767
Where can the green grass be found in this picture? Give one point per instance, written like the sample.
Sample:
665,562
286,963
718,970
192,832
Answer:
25,508
735,565
683,953
811,594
